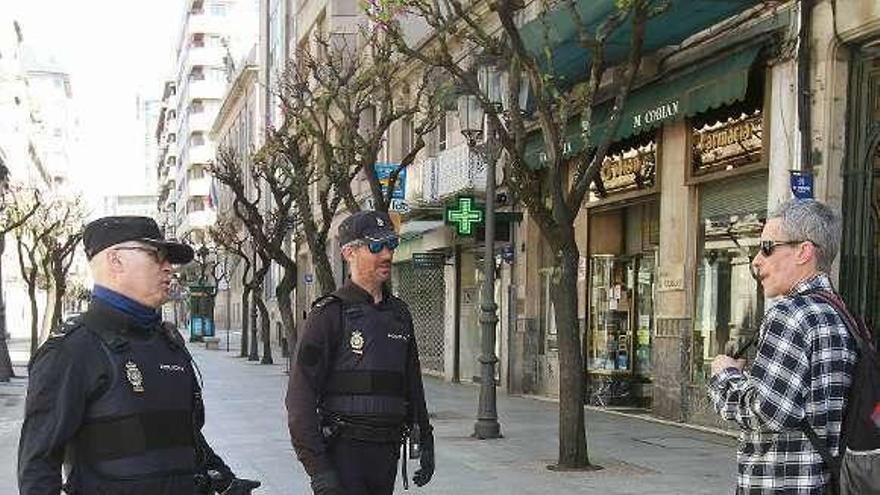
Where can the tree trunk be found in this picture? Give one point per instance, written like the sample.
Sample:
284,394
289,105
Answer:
563,292
245,320
60,291
323,272
46,319
6,370
283,293
35,326
265,327
254,354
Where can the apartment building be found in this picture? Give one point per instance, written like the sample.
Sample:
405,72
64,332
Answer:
211,32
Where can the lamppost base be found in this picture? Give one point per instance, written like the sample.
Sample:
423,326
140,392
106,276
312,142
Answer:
487,429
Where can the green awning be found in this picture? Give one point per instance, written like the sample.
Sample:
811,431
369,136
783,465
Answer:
684,94
682,19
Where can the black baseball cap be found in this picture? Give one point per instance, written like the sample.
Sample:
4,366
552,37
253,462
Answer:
110,231
371,225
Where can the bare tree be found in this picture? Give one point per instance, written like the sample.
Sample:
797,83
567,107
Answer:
57,253
339,107
464,33
231,235
17,208
269,224
50,221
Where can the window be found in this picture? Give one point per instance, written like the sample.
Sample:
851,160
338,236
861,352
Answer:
218,9
197,73
197,139
441,134
195,204
729,302
197,41
407,135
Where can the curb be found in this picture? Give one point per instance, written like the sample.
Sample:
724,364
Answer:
644,417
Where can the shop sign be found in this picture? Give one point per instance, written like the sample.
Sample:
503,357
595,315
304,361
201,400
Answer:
428,259
632,169
465,215
657,114
729,145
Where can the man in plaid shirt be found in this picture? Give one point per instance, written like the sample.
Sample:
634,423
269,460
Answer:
804,363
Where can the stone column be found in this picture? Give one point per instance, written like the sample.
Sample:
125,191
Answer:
673,306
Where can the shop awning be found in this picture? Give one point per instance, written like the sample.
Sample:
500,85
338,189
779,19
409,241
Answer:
682,19
683,94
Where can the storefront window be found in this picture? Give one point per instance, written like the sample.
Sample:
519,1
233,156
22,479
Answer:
621,313
622,275
729,301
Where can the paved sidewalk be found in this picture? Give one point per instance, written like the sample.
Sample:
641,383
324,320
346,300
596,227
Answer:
247,426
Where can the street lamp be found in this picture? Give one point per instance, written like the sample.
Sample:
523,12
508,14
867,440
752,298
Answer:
472,118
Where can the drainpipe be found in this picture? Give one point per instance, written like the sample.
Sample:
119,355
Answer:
804,103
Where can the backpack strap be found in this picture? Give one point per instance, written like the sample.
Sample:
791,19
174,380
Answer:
854,330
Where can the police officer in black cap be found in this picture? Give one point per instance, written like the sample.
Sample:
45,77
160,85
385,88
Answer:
356,386
113,396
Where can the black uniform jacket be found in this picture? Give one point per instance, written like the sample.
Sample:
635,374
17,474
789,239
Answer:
68,372
323,330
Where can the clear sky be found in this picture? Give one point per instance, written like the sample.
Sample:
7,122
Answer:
114,51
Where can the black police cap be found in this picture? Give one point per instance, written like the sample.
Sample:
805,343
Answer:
109,231
372,225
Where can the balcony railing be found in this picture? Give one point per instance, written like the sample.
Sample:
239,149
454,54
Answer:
459,170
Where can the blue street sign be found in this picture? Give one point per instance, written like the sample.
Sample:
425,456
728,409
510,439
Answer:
383,173
802,184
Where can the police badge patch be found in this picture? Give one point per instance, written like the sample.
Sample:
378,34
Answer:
135,377
357,342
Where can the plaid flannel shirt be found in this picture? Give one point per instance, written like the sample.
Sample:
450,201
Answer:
803,368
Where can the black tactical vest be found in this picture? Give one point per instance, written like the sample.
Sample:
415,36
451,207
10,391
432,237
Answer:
368,373
141,427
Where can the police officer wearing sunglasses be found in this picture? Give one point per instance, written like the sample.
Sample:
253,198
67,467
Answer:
113,396
356,389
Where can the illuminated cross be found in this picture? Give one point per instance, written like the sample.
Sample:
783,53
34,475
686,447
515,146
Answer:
465,216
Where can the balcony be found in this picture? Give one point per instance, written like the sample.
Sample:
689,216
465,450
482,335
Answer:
196,220
199,187
203,153
459,171
206,89
421,182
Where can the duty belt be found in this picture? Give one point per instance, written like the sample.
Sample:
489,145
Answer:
367,433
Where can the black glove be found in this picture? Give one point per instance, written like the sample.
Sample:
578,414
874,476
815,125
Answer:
240,486
426,460
327,483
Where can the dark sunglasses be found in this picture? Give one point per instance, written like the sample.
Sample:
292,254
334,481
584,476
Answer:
159,255
375,247
767,247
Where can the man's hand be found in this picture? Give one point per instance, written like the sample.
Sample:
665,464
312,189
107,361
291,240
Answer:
327,483
722,362
426,461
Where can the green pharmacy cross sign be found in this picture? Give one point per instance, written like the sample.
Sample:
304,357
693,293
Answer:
464,214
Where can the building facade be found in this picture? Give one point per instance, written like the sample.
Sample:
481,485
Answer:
211,32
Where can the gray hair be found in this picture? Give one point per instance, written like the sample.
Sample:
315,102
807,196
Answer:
351,244
811,220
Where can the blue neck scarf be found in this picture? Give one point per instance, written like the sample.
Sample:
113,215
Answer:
143,316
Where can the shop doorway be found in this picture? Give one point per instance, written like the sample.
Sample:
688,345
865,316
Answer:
623,269
859,263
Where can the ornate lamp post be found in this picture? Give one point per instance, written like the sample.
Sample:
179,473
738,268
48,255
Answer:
472,120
